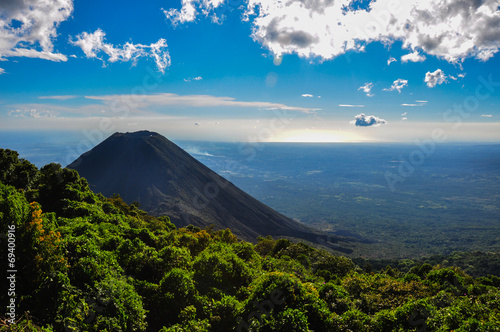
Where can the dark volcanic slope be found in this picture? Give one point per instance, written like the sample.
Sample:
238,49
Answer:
148,168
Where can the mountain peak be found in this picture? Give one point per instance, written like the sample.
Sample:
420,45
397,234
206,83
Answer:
136,134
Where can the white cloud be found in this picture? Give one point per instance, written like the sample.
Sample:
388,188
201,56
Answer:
161,56
28,28
362,120
66,97
198,78
418,103
31,53
404,118
172,99
306,95
92,44
404,114
347,105
2,71
398,85
191,8
32,113
186,14
367,88
449,29
436,78
486,115
413,57
391,60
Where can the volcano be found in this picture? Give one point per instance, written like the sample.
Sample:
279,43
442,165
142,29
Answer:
147,168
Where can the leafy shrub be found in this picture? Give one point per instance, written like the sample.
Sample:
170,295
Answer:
218,269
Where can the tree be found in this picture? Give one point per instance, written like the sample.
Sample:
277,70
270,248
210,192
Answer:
16,172
58,186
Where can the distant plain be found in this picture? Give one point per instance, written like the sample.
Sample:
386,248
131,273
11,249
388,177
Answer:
447,201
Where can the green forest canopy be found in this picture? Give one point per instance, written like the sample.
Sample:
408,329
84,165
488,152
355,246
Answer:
90,263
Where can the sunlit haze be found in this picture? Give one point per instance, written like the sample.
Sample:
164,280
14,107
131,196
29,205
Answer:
318,136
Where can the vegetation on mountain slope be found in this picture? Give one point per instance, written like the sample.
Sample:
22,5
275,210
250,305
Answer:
90,263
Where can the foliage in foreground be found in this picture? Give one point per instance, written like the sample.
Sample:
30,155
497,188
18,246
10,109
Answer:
90,263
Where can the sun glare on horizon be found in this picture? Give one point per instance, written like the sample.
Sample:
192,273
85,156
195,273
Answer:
318,136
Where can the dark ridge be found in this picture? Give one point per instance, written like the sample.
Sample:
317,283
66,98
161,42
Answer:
147,168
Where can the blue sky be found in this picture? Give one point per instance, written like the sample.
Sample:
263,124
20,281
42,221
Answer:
257,70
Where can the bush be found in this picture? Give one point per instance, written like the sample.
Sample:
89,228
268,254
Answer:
219,270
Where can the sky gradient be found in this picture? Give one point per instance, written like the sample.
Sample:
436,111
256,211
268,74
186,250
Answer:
257,70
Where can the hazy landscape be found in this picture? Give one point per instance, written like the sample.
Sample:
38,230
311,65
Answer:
450,202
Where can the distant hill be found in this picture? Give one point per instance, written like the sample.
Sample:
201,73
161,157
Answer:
147,168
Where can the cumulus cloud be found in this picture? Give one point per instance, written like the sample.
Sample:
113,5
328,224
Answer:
93,45
191,8
449,29
391,60
398,85
413,57
436,78
187,13
362,120
367,88
307,95
2,71
32,113
486,115
28,28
